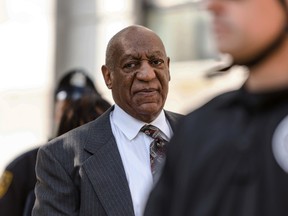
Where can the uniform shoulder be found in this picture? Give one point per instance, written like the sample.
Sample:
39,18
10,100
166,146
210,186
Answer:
19,173
216,103
222,99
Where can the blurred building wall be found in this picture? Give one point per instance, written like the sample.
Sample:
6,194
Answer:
26,71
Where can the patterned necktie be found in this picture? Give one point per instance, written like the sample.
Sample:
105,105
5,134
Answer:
157,147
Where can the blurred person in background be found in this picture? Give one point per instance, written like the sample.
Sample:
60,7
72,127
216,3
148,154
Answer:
76,102
230,157
72,85
106,166
80,111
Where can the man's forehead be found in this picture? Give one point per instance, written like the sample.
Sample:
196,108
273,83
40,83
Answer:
137,42
129,54
143,44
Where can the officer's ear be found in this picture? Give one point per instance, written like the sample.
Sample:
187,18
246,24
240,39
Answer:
168,65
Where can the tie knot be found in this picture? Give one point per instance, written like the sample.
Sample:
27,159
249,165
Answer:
151,130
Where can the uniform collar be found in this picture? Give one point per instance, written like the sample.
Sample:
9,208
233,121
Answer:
260,100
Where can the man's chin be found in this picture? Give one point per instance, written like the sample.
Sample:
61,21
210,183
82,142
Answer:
149,106
149,110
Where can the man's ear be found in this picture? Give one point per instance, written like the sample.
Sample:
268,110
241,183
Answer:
168,64
107,76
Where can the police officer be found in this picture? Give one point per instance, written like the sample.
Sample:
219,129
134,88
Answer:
230,157
18,180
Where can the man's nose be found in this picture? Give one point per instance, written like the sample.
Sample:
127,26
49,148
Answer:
146,71
213,5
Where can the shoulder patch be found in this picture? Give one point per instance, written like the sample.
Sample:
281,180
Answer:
280,144
5,182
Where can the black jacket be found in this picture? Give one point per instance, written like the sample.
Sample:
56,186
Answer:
220,161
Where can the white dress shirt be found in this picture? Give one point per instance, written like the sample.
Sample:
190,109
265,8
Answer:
135,153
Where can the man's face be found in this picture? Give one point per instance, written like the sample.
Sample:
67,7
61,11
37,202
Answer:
140,77
244,27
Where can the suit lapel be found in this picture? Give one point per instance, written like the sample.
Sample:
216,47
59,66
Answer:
106,172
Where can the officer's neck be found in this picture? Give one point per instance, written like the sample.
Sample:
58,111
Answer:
270,74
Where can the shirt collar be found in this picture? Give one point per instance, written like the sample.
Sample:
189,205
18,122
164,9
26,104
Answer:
131,129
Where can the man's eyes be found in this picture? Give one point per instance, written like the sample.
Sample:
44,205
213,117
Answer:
134,64
156,62
130,65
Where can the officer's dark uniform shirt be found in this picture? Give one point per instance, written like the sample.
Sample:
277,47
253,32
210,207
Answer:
229,158
17,184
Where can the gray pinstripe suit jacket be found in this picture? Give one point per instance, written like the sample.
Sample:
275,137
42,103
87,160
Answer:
81,173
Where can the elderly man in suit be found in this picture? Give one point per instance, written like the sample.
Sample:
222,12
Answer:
104,167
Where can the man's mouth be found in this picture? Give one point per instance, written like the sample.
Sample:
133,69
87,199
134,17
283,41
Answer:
147,92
